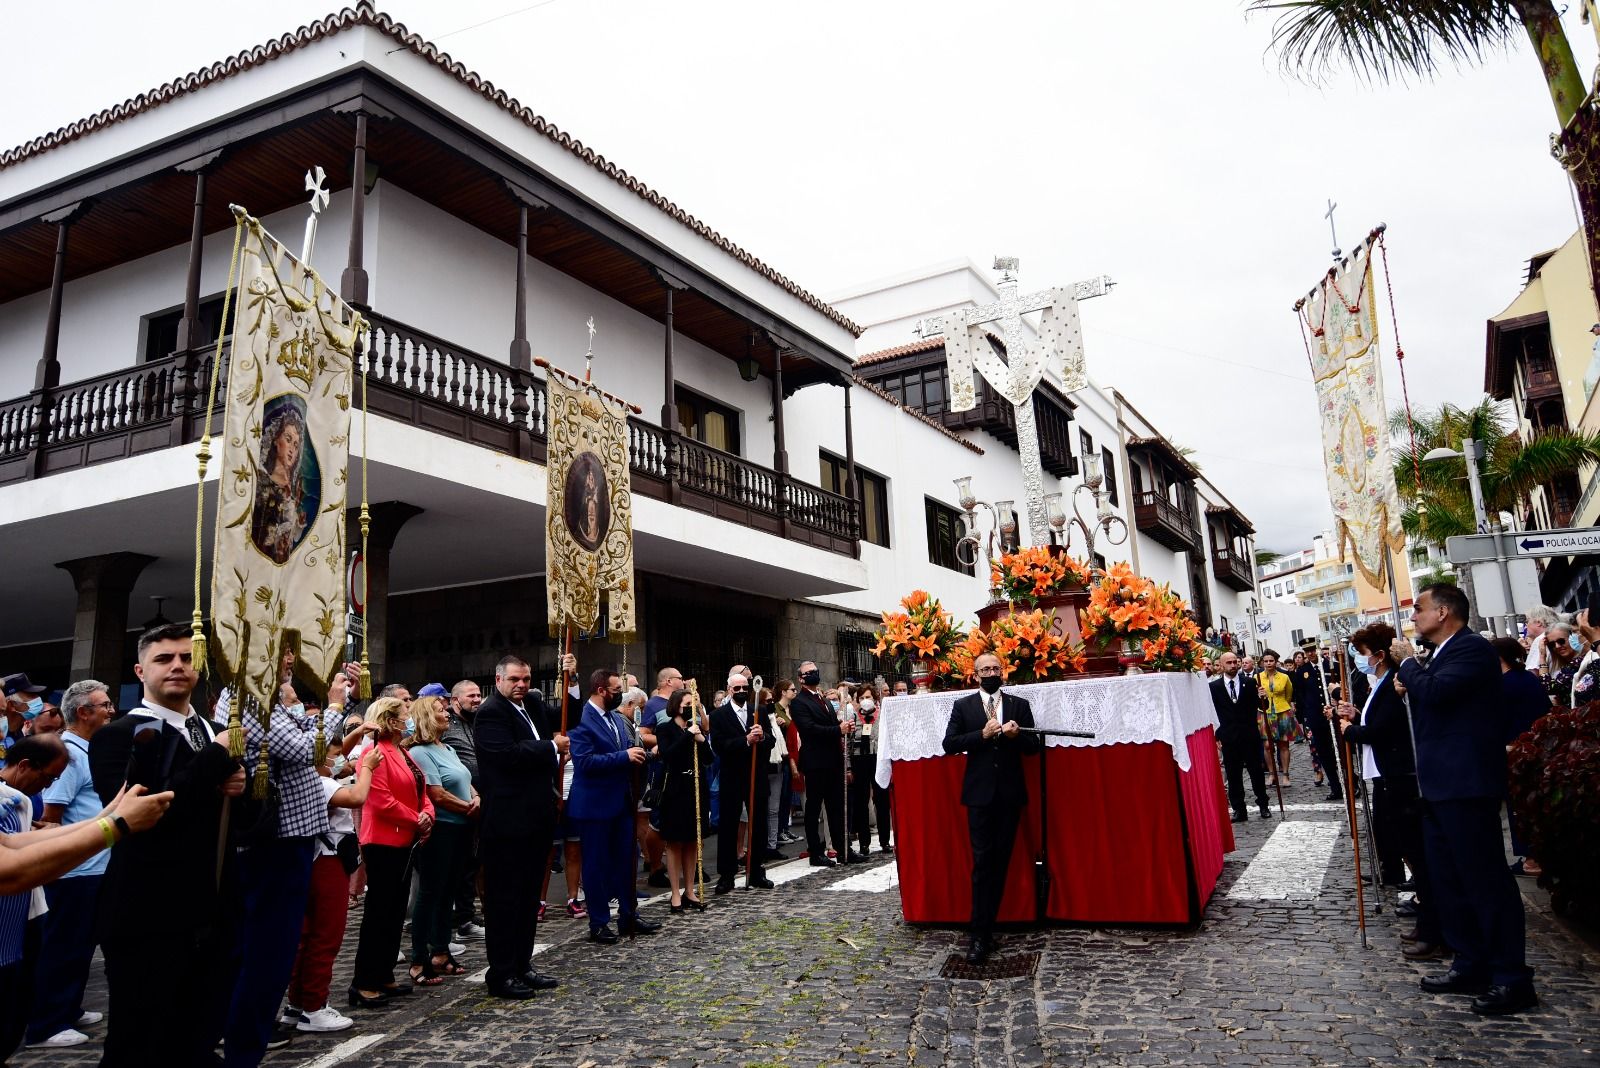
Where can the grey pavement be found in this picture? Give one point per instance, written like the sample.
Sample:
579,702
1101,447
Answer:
804,976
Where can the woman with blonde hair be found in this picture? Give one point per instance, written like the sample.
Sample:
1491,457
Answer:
449,787
397,815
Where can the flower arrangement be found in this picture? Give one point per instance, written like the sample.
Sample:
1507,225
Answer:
1028,574
1028,644
1128,608
923,631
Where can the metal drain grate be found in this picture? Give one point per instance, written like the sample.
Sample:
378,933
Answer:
1013,966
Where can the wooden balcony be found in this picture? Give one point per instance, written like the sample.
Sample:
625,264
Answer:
996,415
1165,522
420,379
1232,570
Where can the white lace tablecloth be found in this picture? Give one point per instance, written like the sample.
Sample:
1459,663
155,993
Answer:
1157,707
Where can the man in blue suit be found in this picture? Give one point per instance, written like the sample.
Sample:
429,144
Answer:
602,806
1461,772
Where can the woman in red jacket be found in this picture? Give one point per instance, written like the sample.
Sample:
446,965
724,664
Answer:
396,817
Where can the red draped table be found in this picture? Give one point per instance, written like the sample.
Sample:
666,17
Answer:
1138,823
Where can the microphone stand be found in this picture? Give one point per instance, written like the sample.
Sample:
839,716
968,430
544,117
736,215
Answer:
1041,863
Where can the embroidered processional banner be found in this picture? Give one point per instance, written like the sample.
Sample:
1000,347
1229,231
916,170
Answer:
279,573
589,513
1342,319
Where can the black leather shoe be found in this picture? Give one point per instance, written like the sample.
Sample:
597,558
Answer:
761,882
539,982
722,888
1410,936
1405,909
358,1000
1505,1000
1266,812
1241,817
853,857
977,949
824,862
1335,795
1420,950
1453,982
637,926
603,935
886,850
511,988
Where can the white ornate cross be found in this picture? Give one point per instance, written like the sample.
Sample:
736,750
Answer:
1017,376
319,200
588,357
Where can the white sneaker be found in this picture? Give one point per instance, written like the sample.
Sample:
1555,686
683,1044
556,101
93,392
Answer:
61,1039
470,931
326,1018
291,1016
89,1019
457,947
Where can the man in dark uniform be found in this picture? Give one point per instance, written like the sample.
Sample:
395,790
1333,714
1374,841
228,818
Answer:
1237,701
738,727
1311,709
822,764
988,727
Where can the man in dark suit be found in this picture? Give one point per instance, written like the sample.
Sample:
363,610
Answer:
1311,706
1461,772
822,764
739,728
169,896
1237,701
988,727
520,751
602,807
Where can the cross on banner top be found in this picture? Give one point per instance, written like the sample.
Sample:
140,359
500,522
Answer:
1337,252
319,200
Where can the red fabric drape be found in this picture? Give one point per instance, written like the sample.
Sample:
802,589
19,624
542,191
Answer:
1116,836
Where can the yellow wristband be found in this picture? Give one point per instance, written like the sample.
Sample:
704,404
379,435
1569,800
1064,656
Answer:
108,831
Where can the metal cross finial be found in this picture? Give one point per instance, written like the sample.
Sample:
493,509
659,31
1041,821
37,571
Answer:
1337,252
588,357
319,200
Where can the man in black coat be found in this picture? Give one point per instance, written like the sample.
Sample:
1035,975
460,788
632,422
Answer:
738,728
1461,771
169,898
988,727
1237,700
520,751
1311,706
822,764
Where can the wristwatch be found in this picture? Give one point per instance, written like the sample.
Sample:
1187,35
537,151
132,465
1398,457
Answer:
123,830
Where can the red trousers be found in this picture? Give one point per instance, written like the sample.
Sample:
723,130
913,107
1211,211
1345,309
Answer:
327,908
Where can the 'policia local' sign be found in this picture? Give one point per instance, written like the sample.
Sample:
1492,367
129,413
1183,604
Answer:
1557,542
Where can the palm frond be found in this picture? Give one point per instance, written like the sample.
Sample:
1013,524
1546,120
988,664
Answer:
1385,40
1515,469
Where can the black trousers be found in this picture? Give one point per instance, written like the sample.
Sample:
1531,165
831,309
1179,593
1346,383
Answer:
825,789
383,916
733,793
16,990
1238,756
993,829
147,974
513,873
1322,741
466,889
1480,907
1402,799
862,791
1388,833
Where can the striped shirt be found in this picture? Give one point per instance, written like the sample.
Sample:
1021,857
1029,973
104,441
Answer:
16,816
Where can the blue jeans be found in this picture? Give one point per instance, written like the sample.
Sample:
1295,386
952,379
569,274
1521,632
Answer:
65,951
274,880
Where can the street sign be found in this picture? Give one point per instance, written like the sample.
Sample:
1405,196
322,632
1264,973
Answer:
1558,542
1489,595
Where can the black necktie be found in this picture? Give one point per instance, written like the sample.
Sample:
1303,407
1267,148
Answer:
197,733
1233,689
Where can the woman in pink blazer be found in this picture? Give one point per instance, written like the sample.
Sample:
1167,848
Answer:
396,817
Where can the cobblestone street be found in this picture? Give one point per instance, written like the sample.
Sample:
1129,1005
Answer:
822,971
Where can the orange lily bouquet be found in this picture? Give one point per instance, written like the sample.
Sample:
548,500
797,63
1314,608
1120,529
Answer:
1128,608
923,631
1029,574
1028,644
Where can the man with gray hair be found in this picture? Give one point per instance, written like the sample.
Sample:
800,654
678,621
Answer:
67,937
1540,619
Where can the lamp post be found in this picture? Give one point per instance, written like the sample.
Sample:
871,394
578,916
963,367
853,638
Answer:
1474,452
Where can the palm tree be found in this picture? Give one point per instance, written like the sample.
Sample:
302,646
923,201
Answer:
1386,40
1439,503
1266,556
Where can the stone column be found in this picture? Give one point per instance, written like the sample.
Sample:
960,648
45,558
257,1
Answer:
100,628
387,518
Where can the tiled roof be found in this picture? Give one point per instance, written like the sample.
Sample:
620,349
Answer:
917,414
927,344
1165,446
1228,509
364,14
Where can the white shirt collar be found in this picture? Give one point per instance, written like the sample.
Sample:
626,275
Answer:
1440,647
178,720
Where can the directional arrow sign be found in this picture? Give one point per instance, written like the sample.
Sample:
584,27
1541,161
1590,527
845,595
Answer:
1557,542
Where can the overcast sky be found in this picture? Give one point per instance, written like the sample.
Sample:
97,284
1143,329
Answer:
841,142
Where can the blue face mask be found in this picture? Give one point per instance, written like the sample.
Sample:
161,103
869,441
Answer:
5,726
36,705
1576,643
296,709
411,726
1367,668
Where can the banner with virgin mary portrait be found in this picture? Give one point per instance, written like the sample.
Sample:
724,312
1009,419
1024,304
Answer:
1341,319
278,578
589,514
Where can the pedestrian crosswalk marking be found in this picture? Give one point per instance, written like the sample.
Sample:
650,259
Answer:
1315,806
1291,865
883,878
348,1048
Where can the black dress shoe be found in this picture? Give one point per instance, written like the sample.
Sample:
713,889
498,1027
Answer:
1405,909
1266,812
511,988
358,1000
603,935
977,949
886,850
853,857
723,888
1241,817
824,862
760,882
637,926
1410,936
1453,982
1420,950
658,879
1335,795
1505,1000
539,982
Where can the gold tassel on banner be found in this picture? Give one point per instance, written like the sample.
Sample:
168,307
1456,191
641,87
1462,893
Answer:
320,749
258,781
196,625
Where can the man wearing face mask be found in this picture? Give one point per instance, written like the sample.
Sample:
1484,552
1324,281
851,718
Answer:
23,703
863,768
739,727
988,726
822,764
